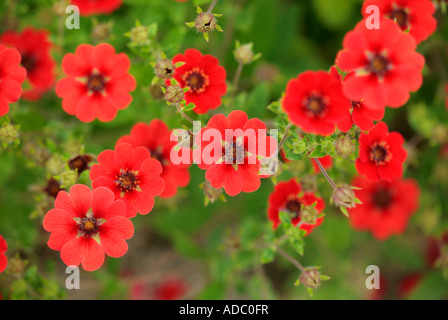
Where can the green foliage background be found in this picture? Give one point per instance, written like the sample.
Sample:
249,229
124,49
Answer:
224,240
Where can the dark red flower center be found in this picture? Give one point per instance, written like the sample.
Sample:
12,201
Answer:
234,152
96,82
379,65
293,206
127,180
196,80
382,198
88,226
401,16
29,62
379,153
315,106
356,104
157,154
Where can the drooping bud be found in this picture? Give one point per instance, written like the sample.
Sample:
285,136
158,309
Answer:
344,197
344,146
310,278
164,69
211,193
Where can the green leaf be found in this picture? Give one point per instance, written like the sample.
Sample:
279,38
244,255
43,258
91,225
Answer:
267,255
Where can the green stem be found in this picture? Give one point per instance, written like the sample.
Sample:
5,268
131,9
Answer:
324,172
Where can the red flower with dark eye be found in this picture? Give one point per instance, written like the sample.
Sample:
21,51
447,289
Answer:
85,225
386,206
131,174
34,47
415,15
315,102
359,113
381,154
12,76
90,7
230,151
204,77
97,83
385,64
288,196
3,258
156,138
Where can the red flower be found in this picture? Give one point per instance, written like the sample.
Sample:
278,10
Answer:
416,15
326,162
97,83
233,162
85,225
172,289
386,206
288,196
358,113
90,7
131,174
381,154
385,64
203,76
34,46
3,258
12,76
315,102
156,138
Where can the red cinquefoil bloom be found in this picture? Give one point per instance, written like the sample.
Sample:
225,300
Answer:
288,196
233,161
358,113
156,138
3,258
314,102
381,154
415,15
12,76
385,64
91,7
131,174
386,206
204,77
97,83
34,47
85,225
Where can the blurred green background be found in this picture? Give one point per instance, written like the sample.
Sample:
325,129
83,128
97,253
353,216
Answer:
215,250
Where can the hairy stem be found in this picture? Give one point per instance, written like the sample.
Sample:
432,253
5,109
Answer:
210,9
291,259
324,172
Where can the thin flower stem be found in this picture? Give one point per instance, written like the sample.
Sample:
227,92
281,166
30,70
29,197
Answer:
210,9
183,114
324,172
236,79
288,127
291,259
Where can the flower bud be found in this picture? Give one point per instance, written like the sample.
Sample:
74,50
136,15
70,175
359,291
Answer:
164,69
205,22
308,214
310,278
139,35
244,53
344,146
174,94
344,197
211,193
102,31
